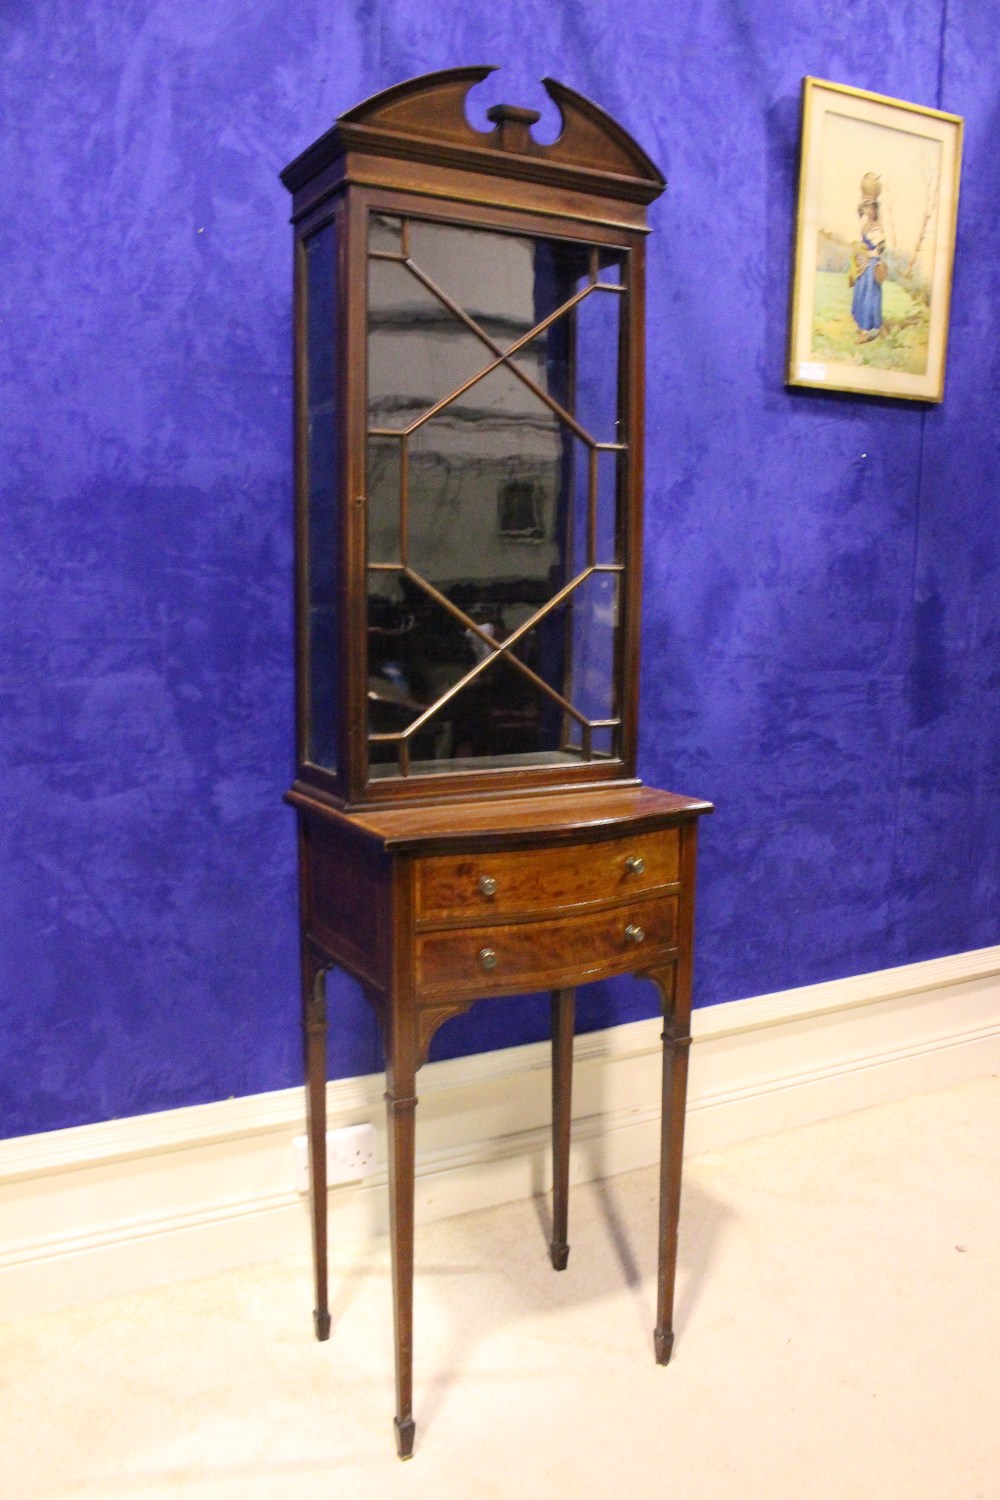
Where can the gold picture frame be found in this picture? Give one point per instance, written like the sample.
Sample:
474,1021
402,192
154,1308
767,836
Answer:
874,244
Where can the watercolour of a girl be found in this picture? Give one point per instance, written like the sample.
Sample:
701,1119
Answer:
867,266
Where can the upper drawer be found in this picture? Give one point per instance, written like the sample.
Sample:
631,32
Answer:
481,887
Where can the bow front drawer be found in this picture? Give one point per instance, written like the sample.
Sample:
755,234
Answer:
544,954
546,880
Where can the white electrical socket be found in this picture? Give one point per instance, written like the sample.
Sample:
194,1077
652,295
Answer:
350,1154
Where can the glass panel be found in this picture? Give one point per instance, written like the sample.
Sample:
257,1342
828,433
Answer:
416,652
611,267
543,650
484,487
499,718
385,234
418,351
597,320
545,360
572,649
602,743
495,502
559,272
575,360
528,278
323,562
606,532
385,460
597,467
582,462
593,631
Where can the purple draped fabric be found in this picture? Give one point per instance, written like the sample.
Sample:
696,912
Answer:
822,589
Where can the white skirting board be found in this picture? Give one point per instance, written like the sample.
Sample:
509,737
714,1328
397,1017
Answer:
101,1209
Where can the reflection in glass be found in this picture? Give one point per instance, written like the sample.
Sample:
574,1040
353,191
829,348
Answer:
499,716
463,462
506,282
323,562
385,460
418,352
494,501
385,234
417,651
520,513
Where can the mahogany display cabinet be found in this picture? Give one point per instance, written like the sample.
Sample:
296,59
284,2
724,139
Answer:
469,311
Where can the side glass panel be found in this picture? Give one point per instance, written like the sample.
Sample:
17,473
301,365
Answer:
494,483
385,475
323,566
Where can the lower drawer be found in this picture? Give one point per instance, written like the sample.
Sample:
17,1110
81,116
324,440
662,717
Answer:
544,954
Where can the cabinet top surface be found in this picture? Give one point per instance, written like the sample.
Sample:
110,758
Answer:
529,818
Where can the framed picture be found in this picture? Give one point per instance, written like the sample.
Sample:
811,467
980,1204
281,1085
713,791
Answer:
874,244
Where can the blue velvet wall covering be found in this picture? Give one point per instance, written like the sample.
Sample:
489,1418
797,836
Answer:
822,626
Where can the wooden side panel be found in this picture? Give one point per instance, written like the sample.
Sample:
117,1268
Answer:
348,901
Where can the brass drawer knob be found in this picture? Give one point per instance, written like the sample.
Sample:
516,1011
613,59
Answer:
487,885
488,958
634,933
635,864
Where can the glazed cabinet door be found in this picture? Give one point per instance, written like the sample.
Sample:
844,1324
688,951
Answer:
496,487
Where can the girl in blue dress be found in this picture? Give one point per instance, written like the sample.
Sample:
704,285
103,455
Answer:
866,303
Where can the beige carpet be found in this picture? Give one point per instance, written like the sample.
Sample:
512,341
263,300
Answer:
838,1338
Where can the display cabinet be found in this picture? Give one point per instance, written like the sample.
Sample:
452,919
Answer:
469,432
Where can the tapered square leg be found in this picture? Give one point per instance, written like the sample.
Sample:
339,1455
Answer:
314,1026
675,1069
401,1105
563,1021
